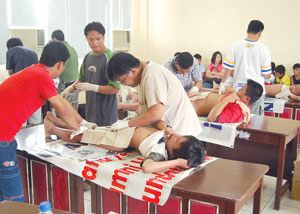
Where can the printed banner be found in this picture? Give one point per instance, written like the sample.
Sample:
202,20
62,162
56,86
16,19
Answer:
120,172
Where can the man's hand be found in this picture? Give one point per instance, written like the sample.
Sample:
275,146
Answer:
87,124
86,87
120,124
222,89
67,91
80,131
193,91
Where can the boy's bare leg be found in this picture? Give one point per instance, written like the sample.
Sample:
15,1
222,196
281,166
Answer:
64,134
272,90
57,122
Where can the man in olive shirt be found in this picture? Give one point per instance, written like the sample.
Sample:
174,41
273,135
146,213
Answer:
70,73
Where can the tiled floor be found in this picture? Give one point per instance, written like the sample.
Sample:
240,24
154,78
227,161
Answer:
287,205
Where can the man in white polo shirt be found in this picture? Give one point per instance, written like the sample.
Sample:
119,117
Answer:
162,99
250,59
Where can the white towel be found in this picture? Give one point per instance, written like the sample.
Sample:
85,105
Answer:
218,133
274,105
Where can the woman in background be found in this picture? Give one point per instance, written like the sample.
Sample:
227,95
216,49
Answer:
214,72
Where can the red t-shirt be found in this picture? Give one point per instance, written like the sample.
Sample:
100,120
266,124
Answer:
232,113
21,95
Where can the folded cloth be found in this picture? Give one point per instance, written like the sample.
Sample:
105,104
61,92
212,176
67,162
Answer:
106,136
218,133
274,105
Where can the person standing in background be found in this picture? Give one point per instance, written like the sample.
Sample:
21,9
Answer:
18,58
250,59
70,74
101,100
202,68
186,68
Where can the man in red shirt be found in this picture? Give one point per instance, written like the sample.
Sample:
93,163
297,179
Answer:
21,95
231,108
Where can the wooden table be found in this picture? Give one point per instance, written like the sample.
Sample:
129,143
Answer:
12,207
273,141
222,186
226,183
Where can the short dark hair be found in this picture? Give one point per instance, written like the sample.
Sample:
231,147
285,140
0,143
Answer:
58,34
273,66
192,150
54,52
120,64
198,56
280,69
254,90
97,26
297,65
176,54
185,60
255,26
13,42
214,56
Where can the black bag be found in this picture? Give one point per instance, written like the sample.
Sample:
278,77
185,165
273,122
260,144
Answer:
210,80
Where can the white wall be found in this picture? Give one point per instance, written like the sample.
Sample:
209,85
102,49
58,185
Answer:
162,27
71,16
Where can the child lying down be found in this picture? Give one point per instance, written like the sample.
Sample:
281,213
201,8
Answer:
284,92
275,90
229,108
161,150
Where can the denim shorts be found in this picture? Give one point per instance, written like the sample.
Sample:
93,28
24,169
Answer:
10,179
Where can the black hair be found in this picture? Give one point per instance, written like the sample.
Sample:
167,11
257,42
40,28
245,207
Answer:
13,42
97,26
214,56
185,60
198,56
176,54
58,34
120,64
255,26
280,69
297,65
273,66
254,90
192,150
53,53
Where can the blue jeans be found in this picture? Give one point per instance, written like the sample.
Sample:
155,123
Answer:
10,179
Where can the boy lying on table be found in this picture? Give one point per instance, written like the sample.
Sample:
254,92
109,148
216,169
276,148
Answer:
284,92
229,108
161,149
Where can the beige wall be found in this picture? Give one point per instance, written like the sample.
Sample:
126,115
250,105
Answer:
162,27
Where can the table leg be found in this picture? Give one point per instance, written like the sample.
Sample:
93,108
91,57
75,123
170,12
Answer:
280,169
258,197
76,194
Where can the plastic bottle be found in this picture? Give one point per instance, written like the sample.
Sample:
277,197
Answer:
45,208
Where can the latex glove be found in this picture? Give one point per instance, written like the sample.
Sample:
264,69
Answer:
120,124
87,124
87,87
80,131
222,89
193,91
67,91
